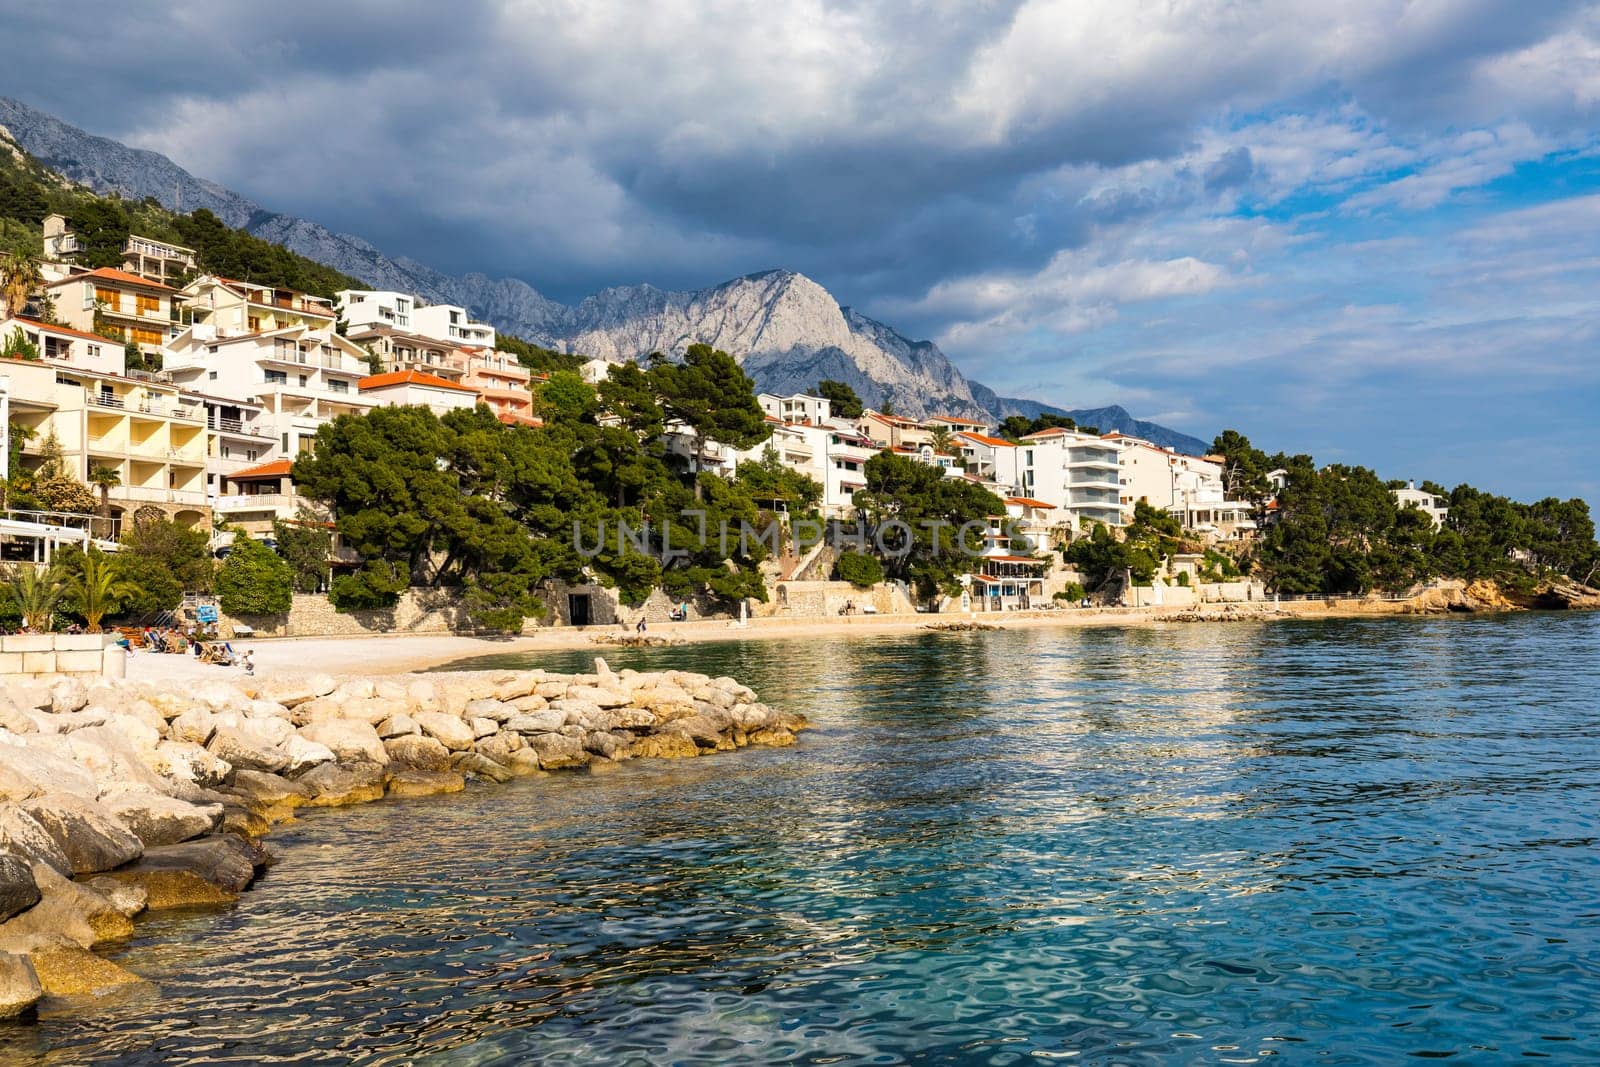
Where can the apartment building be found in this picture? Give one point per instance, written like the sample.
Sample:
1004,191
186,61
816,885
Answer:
407,388
447,322
403,350
1076,472
798,407
955,424
118,305
151,433
893,431
65,345
992,458
362,309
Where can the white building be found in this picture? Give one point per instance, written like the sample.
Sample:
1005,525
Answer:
447,322
800,407
406,388
992,458
365,308
1076,472
1427,503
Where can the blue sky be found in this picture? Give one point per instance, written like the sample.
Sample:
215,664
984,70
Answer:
1367,230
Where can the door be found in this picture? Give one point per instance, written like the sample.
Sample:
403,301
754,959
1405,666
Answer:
578,608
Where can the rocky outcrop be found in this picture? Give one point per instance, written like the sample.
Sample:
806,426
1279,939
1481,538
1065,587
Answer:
118,797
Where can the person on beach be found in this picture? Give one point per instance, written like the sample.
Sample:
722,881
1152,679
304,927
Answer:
248,662
640,627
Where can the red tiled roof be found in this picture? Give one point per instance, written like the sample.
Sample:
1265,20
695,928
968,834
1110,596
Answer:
1028,502
411,377
1054,431
984,439
111,274
51,327
274,469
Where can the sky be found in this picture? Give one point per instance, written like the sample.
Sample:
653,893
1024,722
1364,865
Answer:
1367,230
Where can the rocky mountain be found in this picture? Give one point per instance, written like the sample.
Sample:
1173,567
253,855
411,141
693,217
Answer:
787,330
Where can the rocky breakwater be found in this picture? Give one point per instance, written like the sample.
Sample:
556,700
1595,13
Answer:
117,798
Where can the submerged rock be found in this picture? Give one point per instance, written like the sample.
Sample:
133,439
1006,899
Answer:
20,988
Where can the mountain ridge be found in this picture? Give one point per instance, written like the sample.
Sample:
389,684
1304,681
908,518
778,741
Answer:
785,328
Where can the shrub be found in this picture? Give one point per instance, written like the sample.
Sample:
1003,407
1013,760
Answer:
860,569
253,580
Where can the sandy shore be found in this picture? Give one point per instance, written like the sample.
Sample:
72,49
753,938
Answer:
400,653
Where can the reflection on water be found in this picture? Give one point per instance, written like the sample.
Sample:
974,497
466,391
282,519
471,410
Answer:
1348,841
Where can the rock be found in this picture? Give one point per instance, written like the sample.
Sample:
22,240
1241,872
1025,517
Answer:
320,709
496,711
18,890
65,970
128,899
413,782
48,771
524,762
603,744
602,698
160,820
196,725
772,736
540,722
89,834
449,730
700,728
68,695
15,719
499,747
335,785
665,746
481,766
20,989
529,704
274,732
557,750
399,725
422,694
246,752
186,761
421,753
354,689
23,837
209,870
350,741
113,759
305,754
266,789
219,696
482,728
67,909
374,710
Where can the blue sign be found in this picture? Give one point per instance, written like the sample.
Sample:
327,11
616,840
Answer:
206,612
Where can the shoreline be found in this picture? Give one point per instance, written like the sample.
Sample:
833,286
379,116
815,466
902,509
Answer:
123,797
405,653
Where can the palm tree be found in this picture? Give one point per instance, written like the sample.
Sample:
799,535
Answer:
105,479
97,587
940,437
22,277
37,591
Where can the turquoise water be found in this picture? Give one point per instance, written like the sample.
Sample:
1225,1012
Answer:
1334,842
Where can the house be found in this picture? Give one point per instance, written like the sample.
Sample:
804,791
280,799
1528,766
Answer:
251,498
892,431
447,322
955,424
1035,521
1430,504
156,261
501,381
1005,580
214,307
362,309
1076,472
799,407
993,458
398,350
117,305
405,388
63,344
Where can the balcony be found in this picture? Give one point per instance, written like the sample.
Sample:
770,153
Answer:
235,427
146,494
284,503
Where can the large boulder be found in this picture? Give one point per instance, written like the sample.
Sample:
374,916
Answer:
557,750
23,837
538,722
208,870
268,790
449,730
414,782
305,754
66,909
338,784
196,725
160,820
398,726
68,695
246,751
88,833
19,985
349,740
665,746
47,770
18,890
422,753
481,767
186,761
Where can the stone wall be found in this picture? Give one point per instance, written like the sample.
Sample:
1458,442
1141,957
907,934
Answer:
419,611
58,655
820,600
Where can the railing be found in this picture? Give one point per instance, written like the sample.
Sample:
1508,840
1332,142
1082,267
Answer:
106,400
254,502
152,494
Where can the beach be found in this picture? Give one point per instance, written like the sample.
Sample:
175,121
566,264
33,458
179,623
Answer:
403,653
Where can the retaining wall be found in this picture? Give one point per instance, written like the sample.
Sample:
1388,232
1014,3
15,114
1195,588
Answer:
62,655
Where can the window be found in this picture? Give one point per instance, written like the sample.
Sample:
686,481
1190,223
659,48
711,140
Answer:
302,380
94,351
109,297
255,323
286,443
336,386
250,455
277,377
223,451
144,335
148,305
211,375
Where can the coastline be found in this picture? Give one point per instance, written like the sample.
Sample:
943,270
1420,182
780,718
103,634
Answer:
403,653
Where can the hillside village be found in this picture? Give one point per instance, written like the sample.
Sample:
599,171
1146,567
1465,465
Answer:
156,390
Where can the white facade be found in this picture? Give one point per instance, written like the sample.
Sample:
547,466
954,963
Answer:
447,322
1076,472
992,458
800,407
1427,503
364,308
